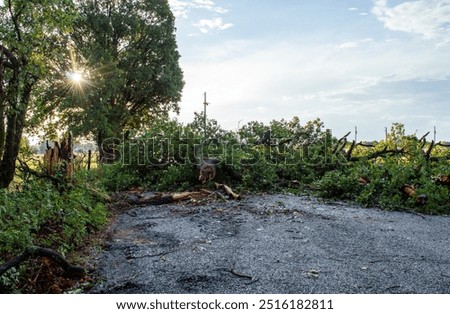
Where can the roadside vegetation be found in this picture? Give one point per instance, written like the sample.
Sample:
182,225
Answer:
400,172
103,71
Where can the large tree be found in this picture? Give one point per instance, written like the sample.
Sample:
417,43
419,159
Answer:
127,53
31,36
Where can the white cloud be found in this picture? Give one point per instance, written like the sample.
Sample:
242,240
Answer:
344,87
353,9
182,8
348,45
179,8
427,18
207,25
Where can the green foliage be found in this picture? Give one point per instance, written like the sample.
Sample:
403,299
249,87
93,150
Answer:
166,157
175,178
41,215
33,37
384,176
128,53
338,185
116,177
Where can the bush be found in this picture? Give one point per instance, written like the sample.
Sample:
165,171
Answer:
42,215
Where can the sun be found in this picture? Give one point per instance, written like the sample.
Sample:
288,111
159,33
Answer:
75,77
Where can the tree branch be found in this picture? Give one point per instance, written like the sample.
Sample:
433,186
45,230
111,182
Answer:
26,168
14,64
34,251
14,19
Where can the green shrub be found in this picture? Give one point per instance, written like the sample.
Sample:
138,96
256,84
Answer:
339,184
117,177
42,215
174,178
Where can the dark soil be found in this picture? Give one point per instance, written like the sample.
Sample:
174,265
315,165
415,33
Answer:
274,244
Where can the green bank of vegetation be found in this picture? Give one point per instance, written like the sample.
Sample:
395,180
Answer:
104,69
400,172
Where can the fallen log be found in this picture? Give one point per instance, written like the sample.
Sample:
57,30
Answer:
161,199
228,190
35,251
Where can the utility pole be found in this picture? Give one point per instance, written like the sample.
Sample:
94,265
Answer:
204,114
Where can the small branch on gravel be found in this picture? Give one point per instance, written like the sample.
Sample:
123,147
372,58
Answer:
35,251
416,213
376,261
231,270
392,287
237,274
228,190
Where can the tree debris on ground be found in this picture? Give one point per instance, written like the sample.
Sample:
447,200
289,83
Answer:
137,197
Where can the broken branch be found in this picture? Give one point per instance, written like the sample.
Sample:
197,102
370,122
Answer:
228,190
35,251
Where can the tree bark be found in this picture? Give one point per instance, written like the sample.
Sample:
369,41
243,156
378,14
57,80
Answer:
15,121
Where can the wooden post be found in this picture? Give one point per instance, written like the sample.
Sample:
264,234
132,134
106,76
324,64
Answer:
89,160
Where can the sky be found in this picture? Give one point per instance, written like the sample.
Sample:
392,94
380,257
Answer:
351,63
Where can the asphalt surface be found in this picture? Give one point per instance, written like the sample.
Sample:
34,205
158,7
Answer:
274,244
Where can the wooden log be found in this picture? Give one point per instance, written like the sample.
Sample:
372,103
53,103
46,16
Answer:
161,199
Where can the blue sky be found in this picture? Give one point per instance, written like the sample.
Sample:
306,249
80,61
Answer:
364,63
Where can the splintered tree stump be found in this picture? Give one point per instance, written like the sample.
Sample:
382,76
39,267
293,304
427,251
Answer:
59,159
208,170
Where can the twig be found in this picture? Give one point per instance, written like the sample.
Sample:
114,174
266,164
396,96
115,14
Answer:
27,168
232,271
228,190
418,214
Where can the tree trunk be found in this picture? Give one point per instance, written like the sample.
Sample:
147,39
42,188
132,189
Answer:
2,108
15,121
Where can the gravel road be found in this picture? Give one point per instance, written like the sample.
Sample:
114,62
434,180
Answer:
274,244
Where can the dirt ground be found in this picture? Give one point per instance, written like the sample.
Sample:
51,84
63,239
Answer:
274,244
